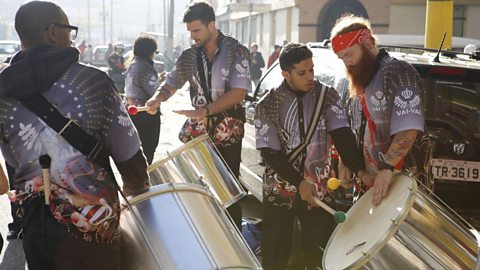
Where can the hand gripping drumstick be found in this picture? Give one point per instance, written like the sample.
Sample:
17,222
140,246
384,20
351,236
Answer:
45,163
133,110
338,216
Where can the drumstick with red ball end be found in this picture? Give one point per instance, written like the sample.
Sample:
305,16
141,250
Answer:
45,161
338,216
133,110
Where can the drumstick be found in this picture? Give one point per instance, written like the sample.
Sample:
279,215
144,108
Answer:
45,161
338,216
333,183
13,197
133,110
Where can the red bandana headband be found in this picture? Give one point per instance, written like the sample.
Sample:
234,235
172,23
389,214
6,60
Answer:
349,39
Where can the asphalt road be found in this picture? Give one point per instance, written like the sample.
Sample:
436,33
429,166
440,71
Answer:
12,257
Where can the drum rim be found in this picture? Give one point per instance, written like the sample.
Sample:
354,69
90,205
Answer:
178,151
166,188
389,232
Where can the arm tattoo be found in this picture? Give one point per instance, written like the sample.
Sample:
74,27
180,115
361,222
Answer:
401,144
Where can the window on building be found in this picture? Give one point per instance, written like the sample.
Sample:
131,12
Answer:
459,20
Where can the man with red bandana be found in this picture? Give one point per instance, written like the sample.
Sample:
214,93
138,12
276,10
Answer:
385,104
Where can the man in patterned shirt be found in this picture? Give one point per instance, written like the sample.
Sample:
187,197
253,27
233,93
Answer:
220,88
282,119
386,103
77,226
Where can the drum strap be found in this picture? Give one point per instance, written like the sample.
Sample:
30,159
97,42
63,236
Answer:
311,129
68,129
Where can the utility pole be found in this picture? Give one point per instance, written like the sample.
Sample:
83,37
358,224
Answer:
170,29
104,23
164,25
88,22
111,21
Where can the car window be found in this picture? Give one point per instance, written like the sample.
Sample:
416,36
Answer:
9,48
327,67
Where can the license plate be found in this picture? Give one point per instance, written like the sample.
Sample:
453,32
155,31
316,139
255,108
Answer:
447,169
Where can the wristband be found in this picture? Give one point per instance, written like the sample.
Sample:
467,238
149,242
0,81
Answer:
385,166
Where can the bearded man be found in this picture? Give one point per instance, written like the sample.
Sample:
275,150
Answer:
385,104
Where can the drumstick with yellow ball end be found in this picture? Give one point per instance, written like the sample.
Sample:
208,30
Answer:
333,183
338,216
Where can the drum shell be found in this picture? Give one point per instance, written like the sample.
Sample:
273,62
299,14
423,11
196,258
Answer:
180,226
198,162
425,236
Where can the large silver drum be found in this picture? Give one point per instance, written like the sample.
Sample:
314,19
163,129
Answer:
408,230
181,226
198,162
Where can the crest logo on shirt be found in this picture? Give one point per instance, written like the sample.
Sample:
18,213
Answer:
338,110
225,73
379,102
242,69
407,103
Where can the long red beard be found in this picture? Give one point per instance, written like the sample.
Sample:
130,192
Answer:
362,73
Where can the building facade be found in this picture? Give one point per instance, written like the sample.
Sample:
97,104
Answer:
270,22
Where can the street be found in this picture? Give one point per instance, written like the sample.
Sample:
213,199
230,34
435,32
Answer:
12,257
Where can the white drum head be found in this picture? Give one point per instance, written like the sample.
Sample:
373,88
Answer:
368,228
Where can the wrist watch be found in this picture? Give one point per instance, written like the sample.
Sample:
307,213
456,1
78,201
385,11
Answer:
385,166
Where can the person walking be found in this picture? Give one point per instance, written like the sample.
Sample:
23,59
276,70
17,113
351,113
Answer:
257,63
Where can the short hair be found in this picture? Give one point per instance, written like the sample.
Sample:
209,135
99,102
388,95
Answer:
292,54
144,46
348,23
33,18
199,11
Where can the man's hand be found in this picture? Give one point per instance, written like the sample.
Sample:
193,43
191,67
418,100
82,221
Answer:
307,191
196,114
153,103
381,185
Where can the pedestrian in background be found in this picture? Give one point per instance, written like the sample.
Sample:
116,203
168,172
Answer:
256,63
116,66
274,56
141,82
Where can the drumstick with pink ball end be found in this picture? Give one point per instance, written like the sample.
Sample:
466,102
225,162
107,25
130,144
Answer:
133,110
338,216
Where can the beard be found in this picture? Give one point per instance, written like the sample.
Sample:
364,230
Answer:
362,73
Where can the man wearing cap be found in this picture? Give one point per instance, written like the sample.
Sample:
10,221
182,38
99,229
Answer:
385,104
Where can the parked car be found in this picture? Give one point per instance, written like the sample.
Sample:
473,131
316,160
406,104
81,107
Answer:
8,48
158,59
452,103
98,55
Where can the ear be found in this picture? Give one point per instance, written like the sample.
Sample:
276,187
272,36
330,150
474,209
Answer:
285,74
211,25
50,35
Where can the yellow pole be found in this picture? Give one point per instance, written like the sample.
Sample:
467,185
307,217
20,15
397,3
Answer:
439,19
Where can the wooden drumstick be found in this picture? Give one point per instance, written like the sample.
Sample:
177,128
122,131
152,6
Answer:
45,161
133,110
338,216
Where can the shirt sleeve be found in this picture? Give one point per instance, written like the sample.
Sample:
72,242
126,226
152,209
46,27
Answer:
266,133
335,113
407,100
119,135
239,75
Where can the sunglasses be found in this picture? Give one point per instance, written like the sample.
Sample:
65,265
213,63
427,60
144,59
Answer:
73,30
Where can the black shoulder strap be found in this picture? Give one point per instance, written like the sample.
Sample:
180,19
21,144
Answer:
68,129
201,72
311,129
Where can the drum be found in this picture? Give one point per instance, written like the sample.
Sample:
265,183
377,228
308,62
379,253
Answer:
408,230
181,226
198,162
